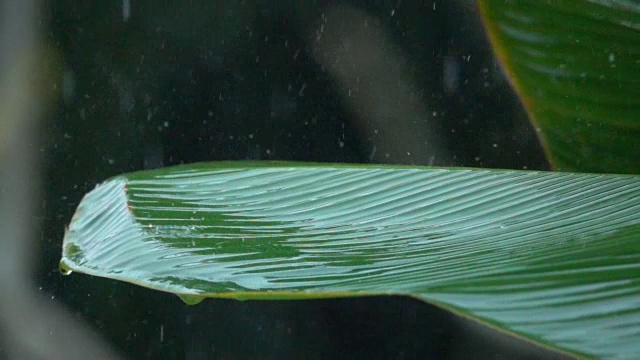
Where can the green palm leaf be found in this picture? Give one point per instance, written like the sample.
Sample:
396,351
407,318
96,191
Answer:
553,257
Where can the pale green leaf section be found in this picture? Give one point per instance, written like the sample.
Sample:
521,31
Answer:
554,257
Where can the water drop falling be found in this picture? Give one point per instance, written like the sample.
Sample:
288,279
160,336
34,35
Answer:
126,10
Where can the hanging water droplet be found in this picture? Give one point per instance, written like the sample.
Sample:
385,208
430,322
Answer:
64,270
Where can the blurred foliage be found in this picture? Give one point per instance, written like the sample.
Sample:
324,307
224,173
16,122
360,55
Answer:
575,66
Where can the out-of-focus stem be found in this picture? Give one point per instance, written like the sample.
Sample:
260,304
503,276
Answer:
376,84
32,326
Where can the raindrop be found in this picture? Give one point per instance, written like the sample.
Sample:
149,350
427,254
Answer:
451,76
68,86
126,10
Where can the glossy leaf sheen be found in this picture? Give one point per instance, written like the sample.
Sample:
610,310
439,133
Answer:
576,67
554,257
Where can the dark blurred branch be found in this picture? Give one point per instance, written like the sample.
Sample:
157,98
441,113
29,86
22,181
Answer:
32,326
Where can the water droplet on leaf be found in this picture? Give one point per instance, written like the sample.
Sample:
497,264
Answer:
65,270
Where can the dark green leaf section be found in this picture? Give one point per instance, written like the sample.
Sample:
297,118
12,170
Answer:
576,67
554,257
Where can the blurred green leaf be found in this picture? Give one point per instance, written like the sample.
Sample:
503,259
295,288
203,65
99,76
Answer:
553,257
576,68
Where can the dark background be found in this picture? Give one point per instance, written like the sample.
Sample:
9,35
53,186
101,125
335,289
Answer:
154,83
